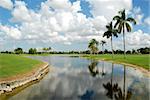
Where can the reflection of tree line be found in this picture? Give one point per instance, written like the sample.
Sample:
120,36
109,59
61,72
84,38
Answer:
113,89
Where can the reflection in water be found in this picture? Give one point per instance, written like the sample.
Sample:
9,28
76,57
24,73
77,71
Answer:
113,90
87,96
71,80
103,73
93,68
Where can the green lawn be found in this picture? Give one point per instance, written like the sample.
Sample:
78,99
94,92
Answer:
140,60
16,64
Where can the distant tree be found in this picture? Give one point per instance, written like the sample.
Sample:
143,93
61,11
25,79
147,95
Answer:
123,22
133,51
18,51
32,51
47,49
145,50
119,51
111,31
93,46
128,52
103,43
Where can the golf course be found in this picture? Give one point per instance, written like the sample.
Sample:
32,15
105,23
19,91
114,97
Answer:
74,50
12,65
139,60
15,65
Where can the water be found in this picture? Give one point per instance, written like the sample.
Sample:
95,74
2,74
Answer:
75,78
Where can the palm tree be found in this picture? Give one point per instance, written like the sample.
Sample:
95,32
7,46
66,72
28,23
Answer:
47,49
93,46
110,33
121,22
103,43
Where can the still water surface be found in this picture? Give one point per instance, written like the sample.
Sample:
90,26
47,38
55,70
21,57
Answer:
76,78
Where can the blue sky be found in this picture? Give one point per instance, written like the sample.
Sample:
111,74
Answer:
83,17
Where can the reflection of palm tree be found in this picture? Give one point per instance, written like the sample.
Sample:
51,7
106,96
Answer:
110,87
113,90
122,95
103,73
93,69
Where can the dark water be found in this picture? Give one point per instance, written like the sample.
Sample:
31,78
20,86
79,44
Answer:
75,78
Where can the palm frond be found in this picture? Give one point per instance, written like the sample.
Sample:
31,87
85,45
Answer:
107,34
128,27
120,27
116,24
117,18
131,20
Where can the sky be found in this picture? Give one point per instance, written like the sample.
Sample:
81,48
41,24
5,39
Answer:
66,25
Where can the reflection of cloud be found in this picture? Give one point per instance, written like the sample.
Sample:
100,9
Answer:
69,83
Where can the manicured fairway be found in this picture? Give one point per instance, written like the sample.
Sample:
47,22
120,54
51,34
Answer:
140,60
11,65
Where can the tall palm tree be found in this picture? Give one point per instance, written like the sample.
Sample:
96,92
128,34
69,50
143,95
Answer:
122,22
111,31
103,43
93,45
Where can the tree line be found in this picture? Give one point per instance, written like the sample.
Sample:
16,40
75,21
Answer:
145,50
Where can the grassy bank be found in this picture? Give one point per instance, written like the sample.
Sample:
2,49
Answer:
139,60
11,65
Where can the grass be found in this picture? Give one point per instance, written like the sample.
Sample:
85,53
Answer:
139,60
11,65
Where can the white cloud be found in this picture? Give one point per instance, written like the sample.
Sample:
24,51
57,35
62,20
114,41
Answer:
11,32
109,8
20,13
147,21
138,39
59,21
7,4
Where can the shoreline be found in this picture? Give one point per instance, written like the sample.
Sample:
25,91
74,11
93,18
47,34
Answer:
146,72
8,85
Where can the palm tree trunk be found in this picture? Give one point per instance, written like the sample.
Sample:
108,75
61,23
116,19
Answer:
112,48
124,43
103,49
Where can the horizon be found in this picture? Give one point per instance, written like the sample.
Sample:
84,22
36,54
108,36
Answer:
68,25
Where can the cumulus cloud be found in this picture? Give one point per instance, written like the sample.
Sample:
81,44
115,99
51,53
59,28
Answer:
138,39
62,21
7,4
109,8
10,32
147,21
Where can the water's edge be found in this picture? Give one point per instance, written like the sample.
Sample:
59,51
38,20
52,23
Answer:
9,86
